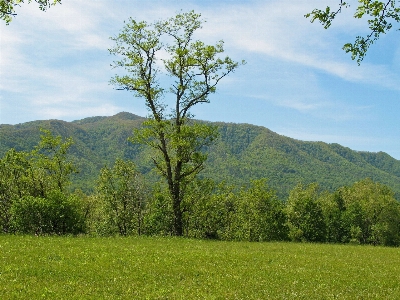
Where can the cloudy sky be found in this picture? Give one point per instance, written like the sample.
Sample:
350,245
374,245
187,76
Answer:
297,80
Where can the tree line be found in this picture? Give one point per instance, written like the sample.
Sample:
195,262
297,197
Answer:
35,199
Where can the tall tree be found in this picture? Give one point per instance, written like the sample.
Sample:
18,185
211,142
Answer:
166,51
380,15
7,7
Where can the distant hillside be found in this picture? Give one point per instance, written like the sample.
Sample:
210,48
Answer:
242,152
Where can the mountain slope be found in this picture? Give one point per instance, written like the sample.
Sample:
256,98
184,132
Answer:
242,152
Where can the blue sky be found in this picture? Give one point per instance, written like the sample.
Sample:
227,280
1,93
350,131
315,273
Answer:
297,80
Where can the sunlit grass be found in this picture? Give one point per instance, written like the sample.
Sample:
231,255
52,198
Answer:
172,268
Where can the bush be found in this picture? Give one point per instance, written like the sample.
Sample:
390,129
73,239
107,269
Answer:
56,214
304,215
158,216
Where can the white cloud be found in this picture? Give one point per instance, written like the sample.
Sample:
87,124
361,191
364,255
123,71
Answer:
73,24
278,29
323,109
46,62
46,72
76,111
343,139
303,106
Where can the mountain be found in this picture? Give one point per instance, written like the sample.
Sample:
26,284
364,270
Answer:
242,152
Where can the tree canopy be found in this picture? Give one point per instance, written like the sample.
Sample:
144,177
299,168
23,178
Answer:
7,7
380,18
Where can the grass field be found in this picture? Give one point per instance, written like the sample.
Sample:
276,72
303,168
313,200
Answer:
173,268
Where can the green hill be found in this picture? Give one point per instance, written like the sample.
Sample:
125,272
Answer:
242,152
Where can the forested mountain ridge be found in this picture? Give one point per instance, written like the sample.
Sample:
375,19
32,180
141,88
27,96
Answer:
242,152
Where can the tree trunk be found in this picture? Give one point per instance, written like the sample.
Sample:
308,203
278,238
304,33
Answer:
178,226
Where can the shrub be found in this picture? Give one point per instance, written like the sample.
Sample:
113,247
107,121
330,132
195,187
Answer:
56,214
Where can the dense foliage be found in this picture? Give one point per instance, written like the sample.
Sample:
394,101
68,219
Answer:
35,199
121,191
242,153
33,190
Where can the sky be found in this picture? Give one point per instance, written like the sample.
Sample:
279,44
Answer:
297,81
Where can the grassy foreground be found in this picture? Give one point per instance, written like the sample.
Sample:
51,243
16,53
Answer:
172,268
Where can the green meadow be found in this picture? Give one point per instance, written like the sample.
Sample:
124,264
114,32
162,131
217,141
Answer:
177,268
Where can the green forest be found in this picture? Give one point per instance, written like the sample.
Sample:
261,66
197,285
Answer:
242,152
85,177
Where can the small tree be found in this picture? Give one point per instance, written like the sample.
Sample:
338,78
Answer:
14,183
159,216
259,215
372,212
194,70
304,214
122,192
210,210
203,211
58,213
34,196
334,211
51,167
